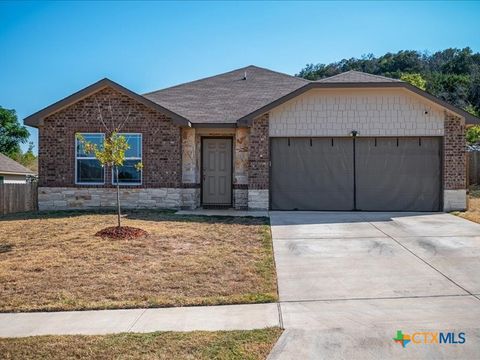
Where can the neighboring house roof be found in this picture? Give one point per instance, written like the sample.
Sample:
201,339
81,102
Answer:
353,76
227,97
9,166
236,97
36,119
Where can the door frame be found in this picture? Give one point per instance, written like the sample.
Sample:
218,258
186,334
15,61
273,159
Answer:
231,167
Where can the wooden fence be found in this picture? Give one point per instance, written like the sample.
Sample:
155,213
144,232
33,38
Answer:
18,197
473,167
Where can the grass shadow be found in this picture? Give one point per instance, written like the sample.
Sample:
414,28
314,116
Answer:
4,248
154,215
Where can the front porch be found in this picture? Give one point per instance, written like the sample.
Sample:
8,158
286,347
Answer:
241,188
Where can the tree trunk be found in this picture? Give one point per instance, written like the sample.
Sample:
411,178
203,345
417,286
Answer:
118,196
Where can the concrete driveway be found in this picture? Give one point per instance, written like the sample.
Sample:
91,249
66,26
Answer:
349,281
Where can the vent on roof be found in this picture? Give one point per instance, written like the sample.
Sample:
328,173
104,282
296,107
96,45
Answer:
245,76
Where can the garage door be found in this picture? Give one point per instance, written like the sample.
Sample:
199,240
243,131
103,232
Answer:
374,174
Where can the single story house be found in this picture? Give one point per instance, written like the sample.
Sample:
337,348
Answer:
258,139
11,172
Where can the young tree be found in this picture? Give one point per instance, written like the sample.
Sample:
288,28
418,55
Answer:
12,134
111,154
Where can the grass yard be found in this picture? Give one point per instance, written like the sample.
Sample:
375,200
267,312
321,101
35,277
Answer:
254,344
53,261
473,212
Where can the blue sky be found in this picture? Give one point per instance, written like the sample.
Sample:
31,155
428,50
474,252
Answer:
51,49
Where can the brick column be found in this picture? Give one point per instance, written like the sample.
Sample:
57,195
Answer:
454,164
259,160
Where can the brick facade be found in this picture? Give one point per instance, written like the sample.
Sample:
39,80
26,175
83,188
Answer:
259,154
454,155
171,156
161,140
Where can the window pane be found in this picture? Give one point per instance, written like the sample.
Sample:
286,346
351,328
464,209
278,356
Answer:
128,174
89,171
91,138
135,142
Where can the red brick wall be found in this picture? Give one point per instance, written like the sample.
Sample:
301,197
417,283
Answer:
454,161
161,147
259,154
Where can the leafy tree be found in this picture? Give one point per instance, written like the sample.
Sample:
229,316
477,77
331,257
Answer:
110,154
415,79
451,74
27,159
473,134
12,134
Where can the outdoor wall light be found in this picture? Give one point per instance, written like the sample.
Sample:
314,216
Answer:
354,133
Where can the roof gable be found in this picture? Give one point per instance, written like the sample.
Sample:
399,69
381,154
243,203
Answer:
10,166
226,97
36,119
357,79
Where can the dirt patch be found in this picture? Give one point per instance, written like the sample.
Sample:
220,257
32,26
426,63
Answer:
121,233
473,212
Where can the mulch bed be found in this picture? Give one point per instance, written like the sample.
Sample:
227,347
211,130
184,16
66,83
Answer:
121,233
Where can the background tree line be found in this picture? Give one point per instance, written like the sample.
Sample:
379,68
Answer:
452,74
12,134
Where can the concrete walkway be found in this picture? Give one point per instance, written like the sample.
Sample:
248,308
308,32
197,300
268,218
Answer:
223,212
349,281
208,318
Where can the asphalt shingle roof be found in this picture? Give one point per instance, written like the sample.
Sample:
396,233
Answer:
227,97
8,165
357,77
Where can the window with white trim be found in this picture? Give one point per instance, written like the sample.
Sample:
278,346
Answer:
88,170
128,174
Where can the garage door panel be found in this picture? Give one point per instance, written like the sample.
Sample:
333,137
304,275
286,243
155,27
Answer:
398,174
312,174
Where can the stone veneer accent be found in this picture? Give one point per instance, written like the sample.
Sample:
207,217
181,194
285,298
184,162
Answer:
190,198
240,199
372,112
259,164
57,198
189,156
258,199
161,141
454,200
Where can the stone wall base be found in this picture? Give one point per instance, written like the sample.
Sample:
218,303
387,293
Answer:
63,198
454,200
190,199
258,199
240,199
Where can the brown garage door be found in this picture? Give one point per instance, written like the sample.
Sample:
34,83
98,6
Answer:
374,174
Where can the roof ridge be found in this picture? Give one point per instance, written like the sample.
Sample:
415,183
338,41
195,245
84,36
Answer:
361,73
194,81
281,73
225,73
333,76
